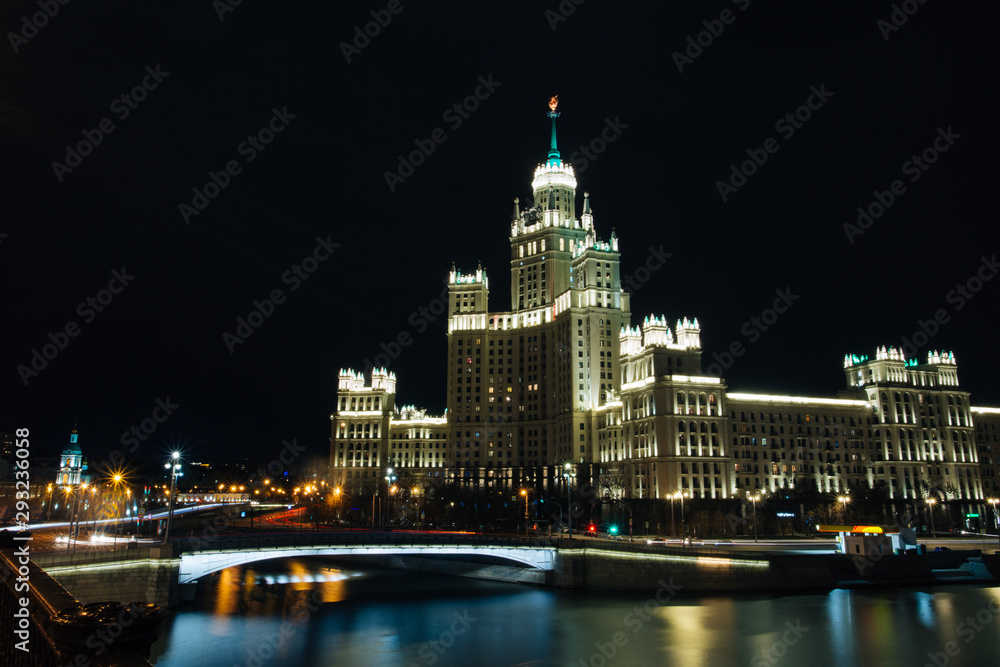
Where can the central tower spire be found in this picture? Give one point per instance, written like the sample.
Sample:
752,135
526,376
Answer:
554,156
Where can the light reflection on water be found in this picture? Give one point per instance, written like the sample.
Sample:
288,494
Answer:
260,615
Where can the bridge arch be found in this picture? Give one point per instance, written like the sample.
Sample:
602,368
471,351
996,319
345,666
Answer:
197,564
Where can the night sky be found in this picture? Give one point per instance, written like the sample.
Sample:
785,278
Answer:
880,93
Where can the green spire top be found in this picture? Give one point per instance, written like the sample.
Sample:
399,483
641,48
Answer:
554,156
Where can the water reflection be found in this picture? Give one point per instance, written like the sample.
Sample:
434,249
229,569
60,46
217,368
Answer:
307,612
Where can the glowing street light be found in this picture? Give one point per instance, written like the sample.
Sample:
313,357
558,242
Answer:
524,492
173,464
755,497
843,500
679,495
932,502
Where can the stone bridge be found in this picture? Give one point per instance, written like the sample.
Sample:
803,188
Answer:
200,556
158,574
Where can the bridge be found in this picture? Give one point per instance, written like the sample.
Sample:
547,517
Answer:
526,561
163,574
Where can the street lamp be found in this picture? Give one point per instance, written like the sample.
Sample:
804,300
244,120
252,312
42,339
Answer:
843,500
70,505
680,495
116,480
932,502
755,497
568,473
996,519
174,466
524,492
336,494
390,478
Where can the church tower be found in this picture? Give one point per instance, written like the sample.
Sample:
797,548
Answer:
71,465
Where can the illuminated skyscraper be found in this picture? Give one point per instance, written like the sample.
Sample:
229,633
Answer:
562,377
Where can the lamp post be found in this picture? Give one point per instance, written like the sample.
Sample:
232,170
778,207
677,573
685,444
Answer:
755,497
336,494
996,519
931,502
174,466
680,496
68,490
568,473
390,479
116,480
843,500
524,492
388,509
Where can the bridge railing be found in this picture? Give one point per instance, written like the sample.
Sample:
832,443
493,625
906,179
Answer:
273,540
87,557
642,547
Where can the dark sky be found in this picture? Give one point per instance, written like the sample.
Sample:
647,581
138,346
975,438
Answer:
886,95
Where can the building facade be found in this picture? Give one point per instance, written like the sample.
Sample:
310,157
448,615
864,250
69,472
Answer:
562,384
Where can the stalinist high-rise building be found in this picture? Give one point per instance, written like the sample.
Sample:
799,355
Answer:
562,382
525,385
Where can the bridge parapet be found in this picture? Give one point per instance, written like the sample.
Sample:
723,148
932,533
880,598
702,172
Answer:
263,540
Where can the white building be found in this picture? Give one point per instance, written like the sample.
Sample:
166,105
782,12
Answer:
563,377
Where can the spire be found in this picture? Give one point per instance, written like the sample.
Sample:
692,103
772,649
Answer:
553,114
586,203
517,210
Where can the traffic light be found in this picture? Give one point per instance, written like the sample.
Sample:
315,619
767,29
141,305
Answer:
613,530
591,528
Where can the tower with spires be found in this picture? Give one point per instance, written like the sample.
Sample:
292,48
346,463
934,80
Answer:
524,384
71,463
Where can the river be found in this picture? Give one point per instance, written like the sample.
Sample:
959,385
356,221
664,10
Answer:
311,612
